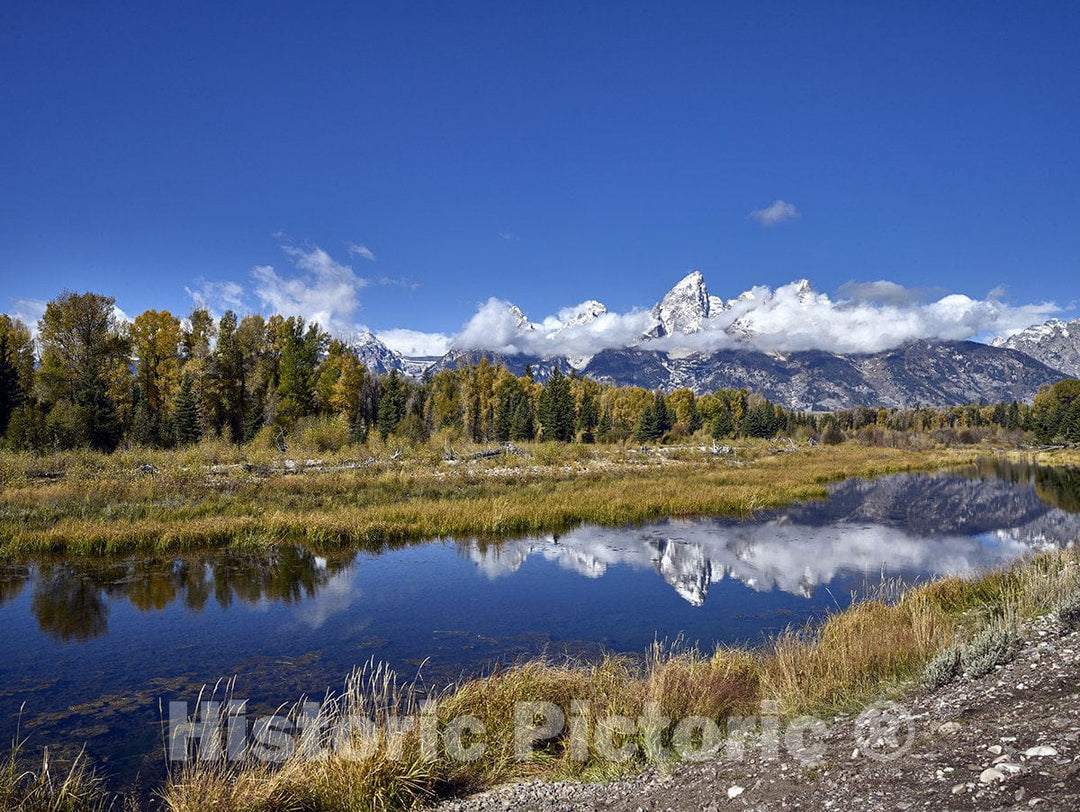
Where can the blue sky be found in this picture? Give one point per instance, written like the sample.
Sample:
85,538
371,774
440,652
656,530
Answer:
543,156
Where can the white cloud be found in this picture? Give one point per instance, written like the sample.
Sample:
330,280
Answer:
508,236
792,317
398,282
327,292
29,312
775,213
357,249
218,297
500,327
414,343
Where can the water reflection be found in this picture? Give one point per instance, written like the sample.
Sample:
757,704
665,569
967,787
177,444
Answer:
980,517
71,599
957,522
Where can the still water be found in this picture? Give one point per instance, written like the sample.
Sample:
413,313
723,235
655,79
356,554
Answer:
90,652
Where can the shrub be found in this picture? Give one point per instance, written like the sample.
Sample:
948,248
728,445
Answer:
993,646
832,435
326,434
942,668
1068,612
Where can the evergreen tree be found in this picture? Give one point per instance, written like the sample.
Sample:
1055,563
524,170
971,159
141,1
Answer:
300,353
588,415
186,414
655,420
101,428
722,424
393,403
522,426
11,394
555,408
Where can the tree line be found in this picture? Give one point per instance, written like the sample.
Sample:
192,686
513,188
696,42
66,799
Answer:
92,380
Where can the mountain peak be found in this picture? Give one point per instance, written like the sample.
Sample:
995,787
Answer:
684,308
1055,342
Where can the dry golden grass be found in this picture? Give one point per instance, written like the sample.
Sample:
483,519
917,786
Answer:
121,512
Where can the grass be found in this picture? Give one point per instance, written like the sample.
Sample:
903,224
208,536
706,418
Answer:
875,648
47,788
94,506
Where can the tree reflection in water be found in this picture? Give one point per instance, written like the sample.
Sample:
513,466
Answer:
70,598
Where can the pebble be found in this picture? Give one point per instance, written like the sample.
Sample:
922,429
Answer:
734,792
1040,751
949,728
990,776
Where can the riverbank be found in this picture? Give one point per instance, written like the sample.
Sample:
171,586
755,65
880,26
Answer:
1008,739
877,649
102,506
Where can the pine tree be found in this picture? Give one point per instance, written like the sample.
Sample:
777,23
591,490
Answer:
393,401
186,414
11,394
722,425
522,427
588,416
556,408
100,423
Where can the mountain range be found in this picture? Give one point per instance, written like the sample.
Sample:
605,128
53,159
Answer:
694,339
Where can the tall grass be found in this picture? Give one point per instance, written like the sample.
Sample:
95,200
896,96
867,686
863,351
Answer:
875,647
118,511
48,787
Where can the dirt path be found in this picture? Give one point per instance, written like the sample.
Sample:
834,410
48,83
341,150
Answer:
1010,740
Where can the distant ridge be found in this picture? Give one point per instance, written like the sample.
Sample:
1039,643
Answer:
916,373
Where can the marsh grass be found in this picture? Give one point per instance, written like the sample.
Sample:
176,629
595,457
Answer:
877,647
49,787
101,506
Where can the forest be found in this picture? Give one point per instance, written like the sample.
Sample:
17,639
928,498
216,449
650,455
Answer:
93,380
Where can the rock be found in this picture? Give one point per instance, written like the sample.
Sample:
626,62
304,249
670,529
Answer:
949,728
995,749
734,792
1040,751
958,788
991,776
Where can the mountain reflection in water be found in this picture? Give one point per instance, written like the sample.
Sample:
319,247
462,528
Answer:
957,522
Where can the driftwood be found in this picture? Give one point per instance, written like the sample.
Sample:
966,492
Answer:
451,456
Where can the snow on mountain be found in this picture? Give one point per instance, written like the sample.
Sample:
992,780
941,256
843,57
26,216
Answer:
379,358
584,313
1055,343
684,309
763,340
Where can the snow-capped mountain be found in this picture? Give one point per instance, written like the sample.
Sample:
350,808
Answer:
686,308
720,351
584,313
379,358
1056,343
922,373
